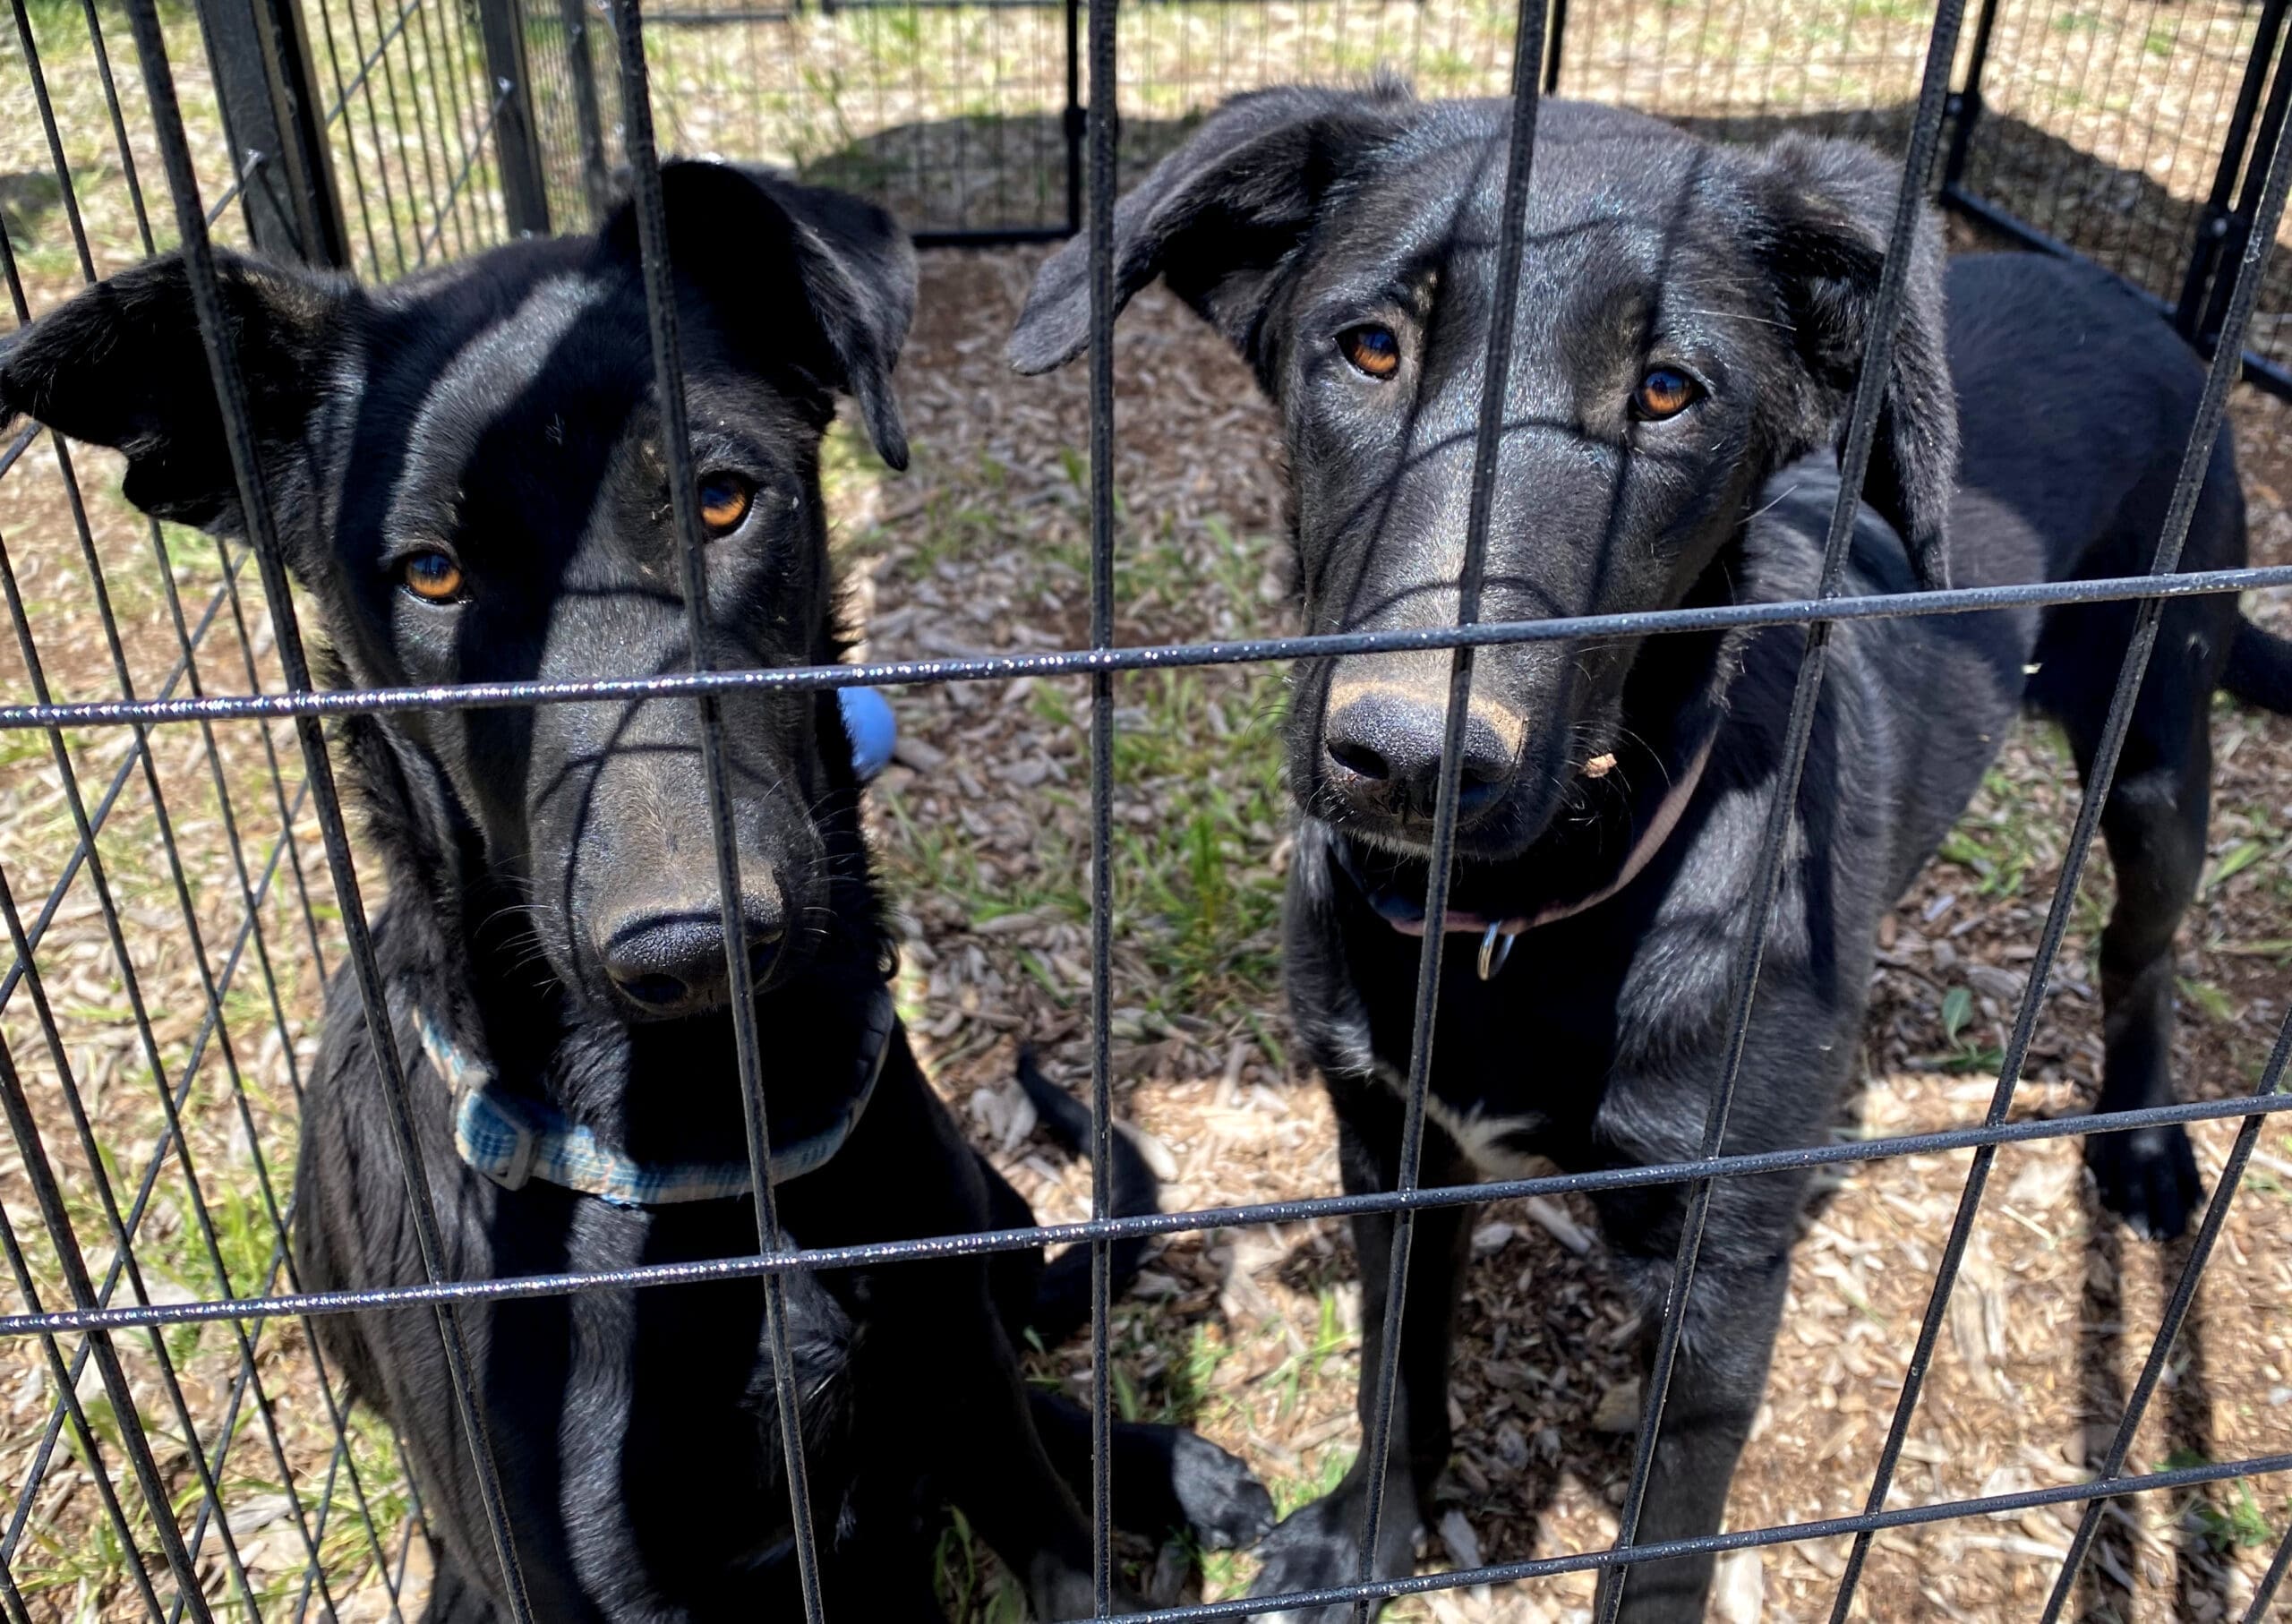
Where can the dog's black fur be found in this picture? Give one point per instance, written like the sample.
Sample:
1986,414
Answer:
1296,218
552,907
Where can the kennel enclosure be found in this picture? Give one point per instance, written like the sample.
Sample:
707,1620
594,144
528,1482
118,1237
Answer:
161,689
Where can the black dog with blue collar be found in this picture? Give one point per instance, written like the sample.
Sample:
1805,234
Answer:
468,472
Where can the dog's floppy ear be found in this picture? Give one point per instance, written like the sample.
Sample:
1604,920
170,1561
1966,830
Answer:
752,242
1825,210
122,365
1218,218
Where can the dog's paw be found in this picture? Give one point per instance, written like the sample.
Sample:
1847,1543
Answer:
1058,1590
2148,1178
1226,1507
1318,1548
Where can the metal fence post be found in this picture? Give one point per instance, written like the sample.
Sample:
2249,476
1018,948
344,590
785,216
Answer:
581,68
2219,230
1075,118
525,184
263,77
1965,106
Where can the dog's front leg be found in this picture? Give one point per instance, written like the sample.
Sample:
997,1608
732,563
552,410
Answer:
1319,1545
1733,1307
965,1412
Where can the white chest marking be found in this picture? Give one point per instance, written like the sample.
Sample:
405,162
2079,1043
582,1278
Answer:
1482,1137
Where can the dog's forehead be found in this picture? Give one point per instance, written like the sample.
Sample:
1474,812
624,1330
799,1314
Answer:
538,374
1621,207
496,367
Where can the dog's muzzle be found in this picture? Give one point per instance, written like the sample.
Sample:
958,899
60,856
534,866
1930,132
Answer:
1497,935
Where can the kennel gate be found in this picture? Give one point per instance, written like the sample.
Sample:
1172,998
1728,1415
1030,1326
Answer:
520,116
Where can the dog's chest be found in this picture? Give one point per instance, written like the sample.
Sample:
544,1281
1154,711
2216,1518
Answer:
669,1430
1497,1142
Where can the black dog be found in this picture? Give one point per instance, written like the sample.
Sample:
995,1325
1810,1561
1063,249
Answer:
471,485
1690,330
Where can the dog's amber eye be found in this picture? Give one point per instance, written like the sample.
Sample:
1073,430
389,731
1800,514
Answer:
432,576
1664,392
724,501
1374,351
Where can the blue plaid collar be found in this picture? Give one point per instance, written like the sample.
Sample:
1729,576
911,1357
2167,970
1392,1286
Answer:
513,1141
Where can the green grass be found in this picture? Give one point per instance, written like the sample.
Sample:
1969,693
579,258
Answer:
2002,838
1964,1053
2232,1522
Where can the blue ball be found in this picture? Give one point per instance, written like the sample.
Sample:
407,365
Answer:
867,719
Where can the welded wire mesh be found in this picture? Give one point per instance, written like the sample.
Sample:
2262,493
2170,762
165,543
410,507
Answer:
177,879
2104,127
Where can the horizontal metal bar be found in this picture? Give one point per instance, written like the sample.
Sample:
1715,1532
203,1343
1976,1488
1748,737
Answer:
1159,656
1749,1166
1782,1534
2258,371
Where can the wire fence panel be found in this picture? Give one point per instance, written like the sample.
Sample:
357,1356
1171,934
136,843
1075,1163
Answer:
178,881
161,879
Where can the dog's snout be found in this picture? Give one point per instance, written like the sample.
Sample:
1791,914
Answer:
669,960
1384,743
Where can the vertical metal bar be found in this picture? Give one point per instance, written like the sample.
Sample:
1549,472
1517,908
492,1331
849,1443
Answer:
1074,117
1854,465
684,499
1965,106
66,1383
455,28
199,263
118,121
2211,411
1106,133
2264,1593
2265,140
580,67
2213,225
207,1469
209,1472
2168,1327
209,1475
185,639
525,186
48,1194
2195,458
144,754
1558,29
261,62
137,1208
440,85
385,35
1527,60
358,187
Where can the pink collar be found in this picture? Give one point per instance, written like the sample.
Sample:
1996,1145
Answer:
1496,935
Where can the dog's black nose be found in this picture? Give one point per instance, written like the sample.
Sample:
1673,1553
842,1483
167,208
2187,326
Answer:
672,963
1384,749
